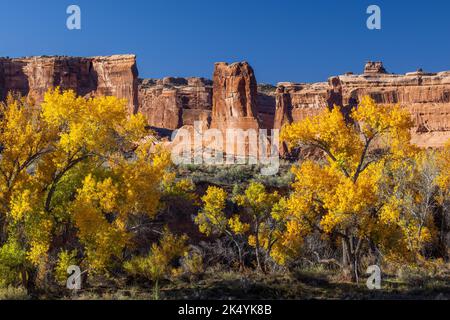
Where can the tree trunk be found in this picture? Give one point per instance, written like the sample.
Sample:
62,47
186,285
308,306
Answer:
241,262
350,259
258,262
345,256
29,279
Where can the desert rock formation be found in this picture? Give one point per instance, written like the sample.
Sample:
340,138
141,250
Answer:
234,99
33,76
425,95
171,103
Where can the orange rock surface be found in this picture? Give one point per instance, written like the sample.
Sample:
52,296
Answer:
233,98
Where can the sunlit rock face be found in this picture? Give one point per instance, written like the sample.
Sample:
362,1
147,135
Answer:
171,103
95,76
425,95
233,99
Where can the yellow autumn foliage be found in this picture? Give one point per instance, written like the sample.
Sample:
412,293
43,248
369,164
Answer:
212,218
67,163
350,194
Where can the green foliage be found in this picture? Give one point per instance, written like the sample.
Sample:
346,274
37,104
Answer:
65,260
212,219
158,264
12,262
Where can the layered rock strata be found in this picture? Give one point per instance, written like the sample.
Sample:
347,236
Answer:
234,99
96,76
171,103
425,95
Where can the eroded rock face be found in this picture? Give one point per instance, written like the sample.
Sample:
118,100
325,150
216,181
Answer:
376,67
117,76
334,93
283,113
96,76
234,97
305,99
13,77
175,102
425,95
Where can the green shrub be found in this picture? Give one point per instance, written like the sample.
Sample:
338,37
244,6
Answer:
13,261
65,259
159,262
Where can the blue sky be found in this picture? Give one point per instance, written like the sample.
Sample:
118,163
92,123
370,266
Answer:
284,40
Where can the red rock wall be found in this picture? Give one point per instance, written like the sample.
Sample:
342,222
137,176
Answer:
425,95
171,103
117,76
234,97
114,75
266,105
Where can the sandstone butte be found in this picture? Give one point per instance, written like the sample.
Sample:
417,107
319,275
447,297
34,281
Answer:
233,99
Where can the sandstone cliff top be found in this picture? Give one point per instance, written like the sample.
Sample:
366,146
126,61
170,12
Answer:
175,82
63,57
373,72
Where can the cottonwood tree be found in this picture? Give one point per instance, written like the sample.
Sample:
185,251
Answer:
212,220
253,223
443,198
258,205
74,170
343,197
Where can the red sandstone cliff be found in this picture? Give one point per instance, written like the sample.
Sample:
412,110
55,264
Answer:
233,99
33,76
175,102
425,95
